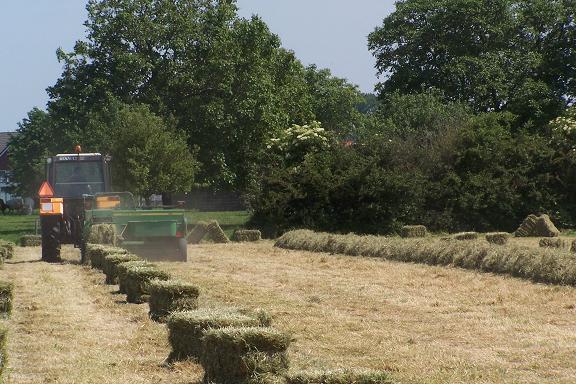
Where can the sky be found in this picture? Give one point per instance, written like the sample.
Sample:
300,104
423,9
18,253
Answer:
329,33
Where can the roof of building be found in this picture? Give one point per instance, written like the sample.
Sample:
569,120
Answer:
4,139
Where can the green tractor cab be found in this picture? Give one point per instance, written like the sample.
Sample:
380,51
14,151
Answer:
77,195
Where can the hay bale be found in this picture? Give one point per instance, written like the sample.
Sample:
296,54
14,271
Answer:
244,355
30,240
466,236
499,238
186,328
6,297
241,235
339,376
551,243
168,296
413,231
573,246
215,233
102,234
122,268
137,281
112,261
7,249
3,353
197,233
526,229
545,227
97,252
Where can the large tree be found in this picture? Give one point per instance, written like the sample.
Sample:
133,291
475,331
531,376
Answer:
496,55
224,79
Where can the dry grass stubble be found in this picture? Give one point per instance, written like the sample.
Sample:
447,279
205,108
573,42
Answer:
425,324
67,327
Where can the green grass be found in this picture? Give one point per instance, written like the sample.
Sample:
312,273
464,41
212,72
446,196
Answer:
229,221
14,226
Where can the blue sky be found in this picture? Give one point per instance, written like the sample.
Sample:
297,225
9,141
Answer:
329,33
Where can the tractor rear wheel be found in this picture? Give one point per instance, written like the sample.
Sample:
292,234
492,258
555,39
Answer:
50,238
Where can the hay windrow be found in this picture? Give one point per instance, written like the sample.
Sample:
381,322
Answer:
30,240
109,266
246,235
6,298
186,328
197,233
168,296
573,246
244,355
339,376
215,233
97,252
537,264
102,234
413,231
137,279
499,238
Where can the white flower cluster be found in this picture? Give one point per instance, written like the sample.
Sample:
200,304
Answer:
296,136
564,124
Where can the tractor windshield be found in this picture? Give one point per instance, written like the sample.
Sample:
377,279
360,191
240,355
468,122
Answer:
75,178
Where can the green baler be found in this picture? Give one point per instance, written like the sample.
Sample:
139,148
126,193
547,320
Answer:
154,234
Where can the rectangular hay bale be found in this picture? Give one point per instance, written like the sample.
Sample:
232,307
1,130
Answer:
7,249
6,298
97,252
122,268
197,233
186,328
109,266
499,238
216,234
167,296
102,234
549,242
137,280
466,236
244,355
30,240
246,235
413,231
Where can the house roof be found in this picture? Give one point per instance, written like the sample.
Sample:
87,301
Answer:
4,139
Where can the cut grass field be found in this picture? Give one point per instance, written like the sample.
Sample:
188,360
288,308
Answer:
423,324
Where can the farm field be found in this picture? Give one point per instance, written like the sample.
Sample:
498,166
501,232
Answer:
423,324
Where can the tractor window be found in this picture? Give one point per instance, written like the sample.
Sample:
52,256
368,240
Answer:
75,178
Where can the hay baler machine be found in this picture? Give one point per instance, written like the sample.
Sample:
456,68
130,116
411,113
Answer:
77,195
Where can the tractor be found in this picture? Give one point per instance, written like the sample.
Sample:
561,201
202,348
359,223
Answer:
77,195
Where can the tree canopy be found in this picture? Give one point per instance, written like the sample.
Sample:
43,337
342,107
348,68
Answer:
495,55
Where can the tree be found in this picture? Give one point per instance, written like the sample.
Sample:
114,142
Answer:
496,55
29,148
225,80
148,156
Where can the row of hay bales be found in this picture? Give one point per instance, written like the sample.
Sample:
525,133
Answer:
537,264
231,344
211,230
6,300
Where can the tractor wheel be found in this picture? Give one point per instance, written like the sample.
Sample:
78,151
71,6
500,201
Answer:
183,249
50,239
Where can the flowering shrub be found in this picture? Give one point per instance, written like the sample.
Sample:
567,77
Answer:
564,129
293,143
